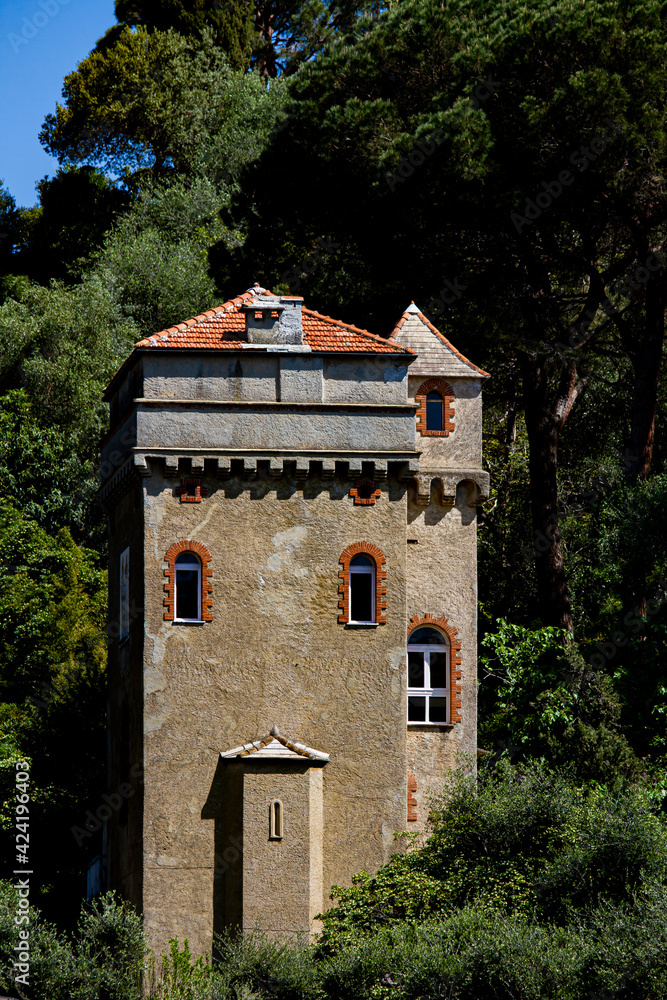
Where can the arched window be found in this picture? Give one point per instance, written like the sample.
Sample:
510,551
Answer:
276,820
362,590
434,404
435,408
187,572
428,676
188,585
362,587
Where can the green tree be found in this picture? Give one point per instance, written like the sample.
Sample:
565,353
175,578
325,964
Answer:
274,36
158,103
52,698
76,208
537,700
60,345
9,228
231,24
157,254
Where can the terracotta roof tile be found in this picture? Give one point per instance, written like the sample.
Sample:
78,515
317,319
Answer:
224,328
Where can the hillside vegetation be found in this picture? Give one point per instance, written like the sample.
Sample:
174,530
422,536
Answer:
503,165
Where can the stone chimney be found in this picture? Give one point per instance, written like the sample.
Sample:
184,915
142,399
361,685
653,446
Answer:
273,320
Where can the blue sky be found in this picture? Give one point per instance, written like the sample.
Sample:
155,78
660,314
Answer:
40,42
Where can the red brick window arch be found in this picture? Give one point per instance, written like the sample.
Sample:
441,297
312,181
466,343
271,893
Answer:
199,554
425,680
435,413
362,588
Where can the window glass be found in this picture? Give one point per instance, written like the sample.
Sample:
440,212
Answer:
415,670
438,666
433,411
416,709
360,561
187,570
361,597
362,589
426,637
437,709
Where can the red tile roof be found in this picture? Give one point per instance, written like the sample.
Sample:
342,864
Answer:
224,326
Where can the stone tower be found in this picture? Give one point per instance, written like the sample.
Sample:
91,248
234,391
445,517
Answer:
291,508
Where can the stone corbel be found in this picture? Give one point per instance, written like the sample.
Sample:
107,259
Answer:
423,489
409,470
140,465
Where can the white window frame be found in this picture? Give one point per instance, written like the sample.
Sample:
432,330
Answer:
427,691
124,594
352,569
195,562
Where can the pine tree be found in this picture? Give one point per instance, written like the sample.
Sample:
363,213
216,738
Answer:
231,22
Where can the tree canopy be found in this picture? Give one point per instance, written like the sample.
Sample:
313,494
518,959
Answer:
159,103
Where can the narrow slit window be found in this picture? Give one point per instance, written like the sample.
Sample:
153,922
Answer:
276,820
362,591
187,571
434,414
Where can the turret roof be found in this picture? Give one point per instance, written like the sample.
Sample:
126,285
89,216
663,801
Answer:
415,329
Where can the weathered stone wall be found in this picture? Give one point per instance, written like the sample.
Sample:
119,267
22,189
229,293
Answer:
282,879
442,581
273,654
462,449
125,694
442,550
219,375
262,374
277,426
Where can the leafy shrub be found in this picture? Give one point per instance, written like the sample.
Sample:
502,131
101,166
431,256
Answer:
102,961
177,976
50,956
531,887
108,951
523,840
252,965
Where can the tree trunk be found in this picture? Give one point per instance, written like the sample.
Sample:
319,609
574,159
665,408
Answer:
546,410
646,363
